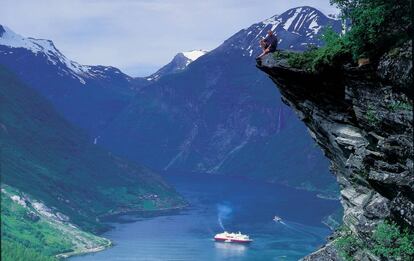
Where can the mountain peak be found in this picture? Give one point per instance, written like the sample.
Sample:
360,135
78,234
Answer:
12,44
194,54
178,63
14,40
296,29
306,8
298,18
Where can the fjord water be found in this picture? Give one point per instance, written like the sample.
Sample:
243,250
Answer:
241,205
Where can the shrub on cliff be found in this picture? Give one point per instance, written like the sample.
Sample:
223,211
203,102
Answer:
333,54
377,25
388,241
348,244
392,242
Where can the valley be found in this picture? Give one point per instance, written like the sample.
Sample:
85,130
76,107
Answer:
198,114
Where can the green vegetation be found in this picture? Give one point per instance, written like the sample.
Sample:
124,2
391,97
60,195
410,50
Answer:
45,157
348,244
392,242
371,116
27,223
11,251
377,27
399,106
317,59
388,241
33,233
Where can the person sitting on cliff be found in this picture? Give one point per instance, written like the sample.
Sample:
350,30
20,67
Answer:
268,44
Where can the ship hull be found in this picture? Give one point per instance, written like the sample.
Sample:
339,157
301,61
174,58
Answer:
232,240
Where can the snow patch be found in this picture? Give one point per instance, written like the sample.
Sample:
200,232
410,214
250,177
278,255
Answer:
289,22
271,21
46,48
314,26
194,55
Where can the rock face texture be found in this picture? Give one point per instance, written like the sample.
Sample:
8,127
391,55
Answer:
362,119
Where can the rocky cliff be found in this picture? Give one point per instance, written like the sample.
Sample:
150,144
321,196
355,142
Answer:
362,119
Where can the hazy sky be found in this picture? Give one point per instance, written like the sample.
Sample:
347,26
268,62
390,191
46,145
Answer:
138,36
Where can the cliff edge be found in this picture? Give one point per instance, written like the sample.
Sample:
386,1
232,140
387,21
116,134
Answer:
362,119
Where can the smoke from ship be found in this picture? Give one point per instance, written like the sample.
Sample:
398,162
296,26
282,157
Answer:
224,212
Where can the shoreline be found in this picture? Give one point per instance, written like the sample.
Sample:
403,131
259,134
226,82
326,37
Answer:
85,251
109,243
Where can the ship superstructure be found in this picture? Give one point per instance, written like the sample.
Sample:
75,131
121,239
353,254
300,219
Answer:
232,237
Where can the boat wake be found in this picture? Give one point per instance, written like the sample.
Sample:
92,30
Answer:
299,228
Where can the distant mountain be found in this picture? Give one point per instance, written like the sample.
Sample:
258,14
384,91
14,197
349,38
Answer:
204,112
221,115
45,49
52,161
177,64
297,29
79,92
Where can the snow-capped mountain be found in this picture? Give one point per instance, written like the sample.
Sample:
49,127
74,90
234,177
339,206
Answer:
218,115
179,63
296,29
11,43
194,55
222,115
98,92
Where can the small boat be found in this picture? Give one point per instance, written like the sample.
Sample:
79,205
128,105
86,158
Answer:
232,237
277,219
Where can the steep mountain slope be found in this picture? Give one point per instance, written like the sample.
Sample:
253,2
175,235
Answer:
219,115
28,224
296,29
46,157
215,114
362,117
177,64
99,92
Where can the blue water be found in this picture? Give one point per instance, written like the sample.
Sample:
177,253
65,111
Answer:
242,205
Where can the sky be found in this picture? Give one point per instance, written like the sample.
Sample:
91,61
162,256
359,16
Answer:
139,36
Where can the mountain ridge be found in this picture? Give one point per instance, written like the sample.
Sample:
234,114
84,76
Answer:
177,64
48,49
305,21
45,156
248,118
100,92
213,116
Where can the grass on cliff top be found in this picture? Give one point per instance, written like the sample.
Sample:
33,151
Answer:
377,27
316,59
